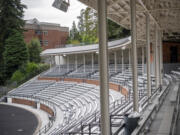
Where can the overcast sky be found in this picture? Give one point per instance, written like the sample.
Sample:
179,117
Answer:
44,12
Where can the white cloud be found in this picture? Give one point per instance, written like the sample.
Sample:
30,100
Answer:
43,11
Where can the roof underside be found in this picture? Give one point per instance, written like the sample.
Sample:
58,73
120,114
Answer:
164,13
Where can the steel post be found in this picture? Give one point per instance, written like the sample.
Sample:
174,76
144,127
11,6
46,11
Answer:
156,58
115,61
134,55
148,62
92,61
103,66
84,62
76,64
59,64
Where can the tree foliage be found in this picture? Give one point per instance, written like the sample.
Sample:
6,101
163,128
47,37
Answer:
86,30
15,54
34,49
11,14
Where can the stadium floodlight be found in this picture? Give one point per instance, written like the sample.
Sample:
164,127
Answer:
61,5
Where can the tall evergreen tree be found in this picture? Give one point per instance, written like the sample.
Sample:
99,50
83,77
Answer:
11,14
15,54
74,34
81,22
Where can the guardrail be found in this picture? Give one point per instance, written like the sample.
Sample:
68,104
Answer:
146,121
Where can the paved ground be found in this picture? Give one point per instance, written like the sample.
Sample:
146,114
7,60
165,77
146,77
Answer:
162,122
16,121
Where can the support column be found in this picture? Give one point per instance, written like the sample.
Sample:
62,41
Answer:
156,59
134,55
50,63
84,62
76,62
122,61
161,57
115,61
103,64
59,64
67,63
129,57
142,60
92,55
148,51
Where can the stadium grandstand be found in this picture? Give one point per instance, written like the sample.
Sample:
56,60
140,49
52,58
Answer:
117,87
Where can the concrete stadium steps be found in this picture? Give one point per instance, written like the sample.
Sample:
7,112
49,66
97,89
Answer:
32,88
80,101
58,71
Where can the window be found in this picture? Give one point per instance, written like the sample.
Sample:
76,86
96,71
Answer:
46,42
38,32
45,32
41,42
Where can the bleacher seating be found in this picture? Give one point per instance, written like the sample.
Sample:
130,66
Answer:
80,101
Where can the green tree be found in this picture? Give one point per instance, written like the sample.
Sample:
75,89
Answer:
74,34
11,14
87,28
15,54
116,31
34,49
81,22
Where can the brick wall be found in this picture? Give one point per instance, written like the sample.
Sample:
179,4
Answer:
95,82
33,104
24,102
112,86
74,80
50,78
47,109
54,38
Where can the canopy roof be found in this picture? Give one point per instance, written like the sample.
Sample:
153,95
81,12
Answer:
164,13
86,48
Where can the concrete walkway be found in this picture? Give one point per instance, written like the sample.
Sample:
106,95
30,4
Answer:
161,125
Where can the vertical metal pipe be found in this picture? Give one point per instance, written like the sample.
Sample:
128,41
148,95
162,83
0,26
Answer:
129,57
92,62
76,64
115,61
59,64
142,60
122,60
134,55
50,63
148,55
161,57
103,63
84,59
156,59
68,63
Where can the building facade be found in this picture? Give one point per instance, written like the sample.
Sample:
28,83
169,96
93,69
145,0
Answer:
50,35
